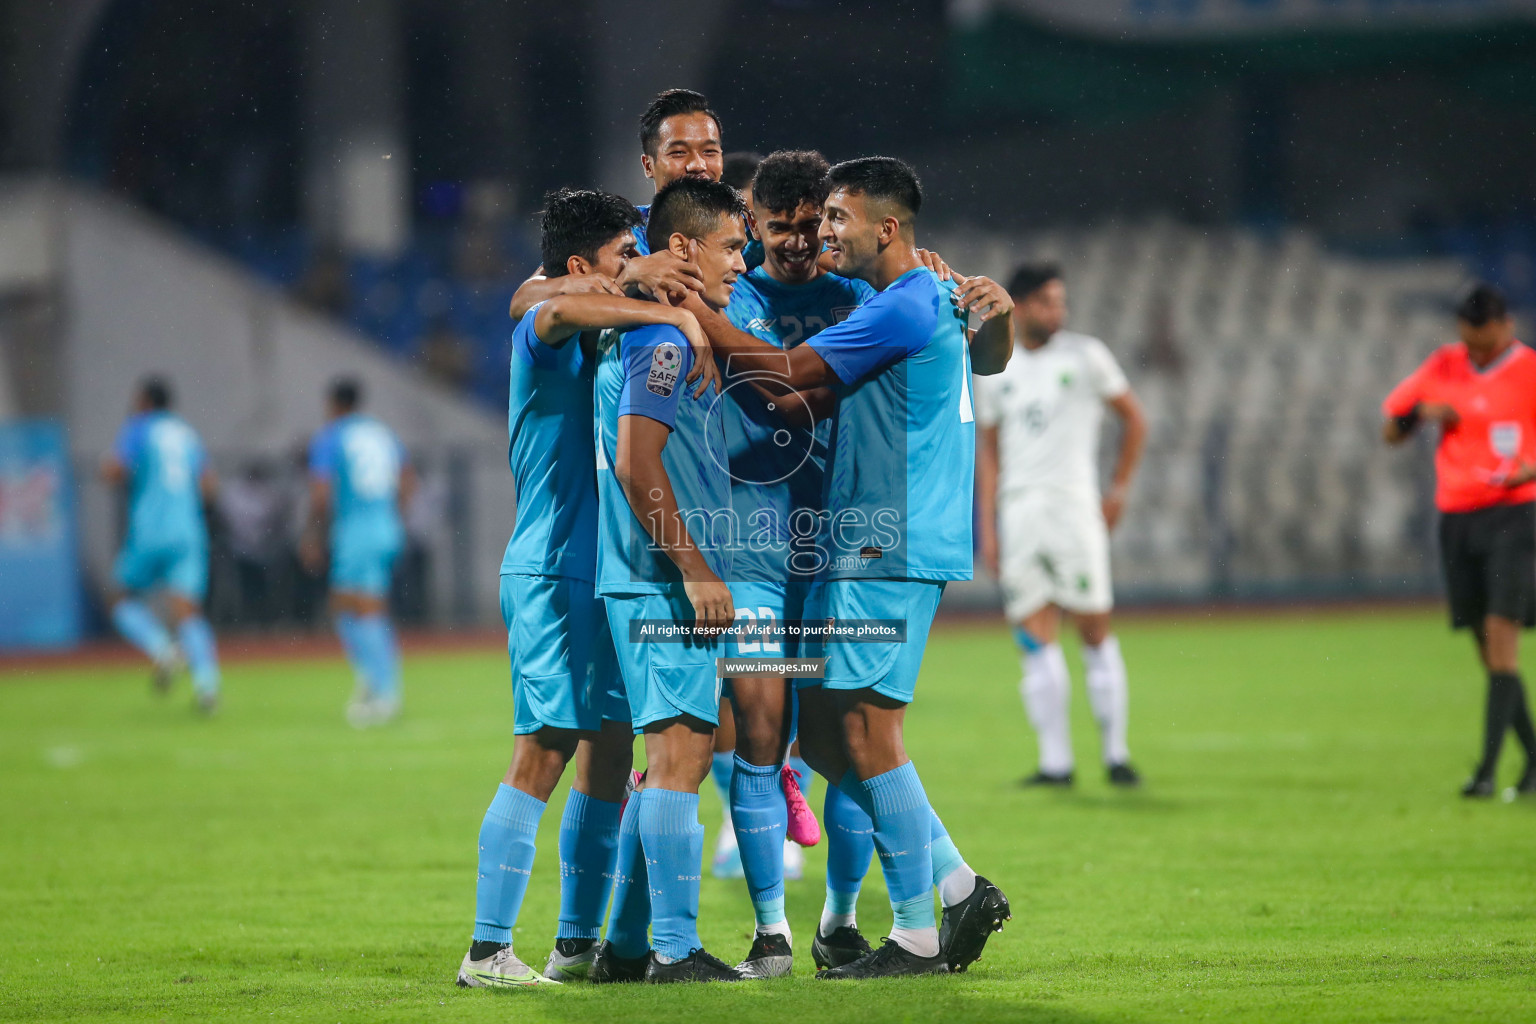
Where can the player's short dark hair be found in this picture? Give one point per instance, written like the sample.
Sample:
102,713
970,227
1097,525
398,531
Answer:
738,169
1029,278
880,177
346,393
156,392
580,221
691,207
1481,304
791,177
670,104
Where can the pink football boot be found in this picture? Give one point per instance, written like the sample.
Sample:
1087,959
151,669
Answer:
803,826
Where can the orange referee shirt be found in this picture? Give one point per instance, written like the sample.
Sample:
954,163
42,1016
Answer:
1497,430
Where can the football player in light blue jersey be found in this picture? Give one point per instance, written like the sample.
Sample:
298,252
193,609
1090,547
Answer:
160,459
777,446
666,532
359,481
899,484
568,698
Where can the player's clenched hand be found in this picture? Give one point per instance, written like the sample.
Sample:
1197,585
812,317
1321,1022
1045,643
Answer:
704,369
934,262
982,296
713,610
663,276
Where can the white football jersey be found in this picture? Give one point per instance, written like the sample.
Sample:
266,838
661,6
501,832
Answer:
1048,405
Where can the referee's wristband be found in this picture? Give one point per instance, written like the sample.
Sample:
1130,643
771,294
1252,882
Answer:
1408,421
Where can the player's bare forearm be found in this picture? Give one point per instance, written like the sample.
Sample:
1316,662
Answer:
992,345
208,484
648,489
539,289
565,316
746,354
797,408
1133,441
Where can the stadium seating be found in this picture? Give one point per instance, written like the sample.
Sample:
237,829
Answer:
1262,362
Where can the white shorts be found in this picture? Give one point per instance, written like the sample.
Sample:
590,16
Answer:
1053,552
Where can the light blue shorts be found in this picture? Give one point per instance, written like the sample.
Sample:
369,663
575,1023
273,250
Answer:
564,675
664,679
889,669
182,568
361,565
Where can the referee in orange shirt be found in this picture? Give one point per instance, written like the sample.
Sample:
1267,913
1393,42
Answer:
1482,393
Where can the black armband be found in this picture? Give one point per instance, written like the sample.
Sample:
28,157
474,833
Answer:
1407,422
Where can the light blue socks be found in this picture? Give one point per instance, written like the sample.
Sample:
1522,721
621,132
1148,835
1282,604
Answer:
589,840
674,854
506,860
139,626
202,657
761,819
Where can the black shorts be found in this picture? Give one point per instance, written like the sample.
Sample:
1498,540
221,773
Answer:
1489,557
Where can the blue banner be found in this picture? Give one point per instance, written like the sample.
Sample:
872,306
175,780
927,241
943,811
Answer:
39,565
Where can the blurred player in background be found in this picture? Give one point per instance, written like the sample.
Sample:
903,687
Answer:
567,694
359,481
900,481
1482,393
663,492
160,459
1044,526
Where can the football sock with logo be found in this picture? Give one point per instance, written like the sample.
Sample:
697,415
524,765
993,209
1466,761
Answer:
1045,690
506,859
202,656
850,847
674,853
903,826
761,818
1105,671
589,840
631,915
139,626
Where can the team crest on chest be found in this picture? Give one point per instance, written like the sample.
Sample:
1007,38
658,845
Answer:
666,362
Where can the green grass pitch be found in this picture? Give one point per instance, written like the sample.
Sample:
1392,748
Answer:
1299,852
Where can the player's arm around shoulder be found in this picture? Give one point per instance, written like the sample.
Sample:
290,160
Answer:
992,342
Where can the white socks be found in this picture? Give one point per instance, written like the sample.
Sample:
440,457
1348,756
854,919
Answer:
957,885
830,922
1107,697
922,941
1046,688
778,928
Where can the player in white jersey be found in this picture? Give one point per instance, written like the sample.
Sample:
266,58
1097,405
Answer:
1044,524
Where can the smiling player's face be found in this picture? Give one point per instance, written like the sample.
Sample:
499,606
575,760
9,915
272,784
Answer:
688,147
849,235
718,256
791,241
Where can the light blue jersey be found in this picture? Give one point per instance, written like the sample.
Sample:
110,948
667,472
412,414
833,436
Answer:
164,459
549,422
361,460
167,540
644,374
776,465
899,484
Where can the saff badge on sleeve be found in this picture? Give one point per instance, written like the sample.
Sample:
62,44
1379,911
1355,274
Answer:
666,364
